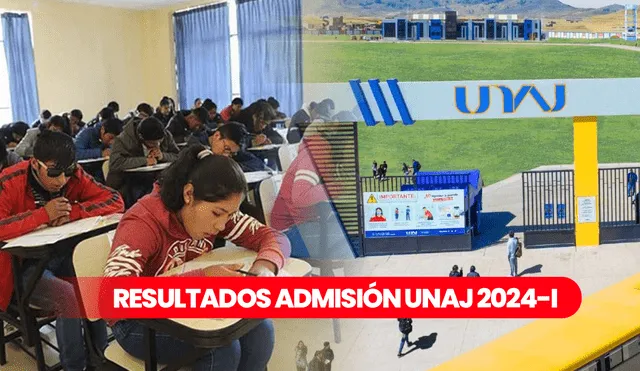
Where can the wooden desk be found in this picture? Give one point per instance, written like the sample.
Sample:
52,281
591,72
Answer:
149,169
42,245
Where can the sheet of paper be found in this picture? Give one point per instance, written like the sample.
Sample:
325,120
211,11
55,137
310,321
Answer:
51,235
257,176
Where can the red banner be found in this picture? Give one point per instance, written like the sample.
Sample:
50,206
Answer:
330,297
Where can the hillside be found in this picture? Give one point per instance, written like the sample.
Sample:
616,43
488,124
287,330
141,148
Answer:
389,8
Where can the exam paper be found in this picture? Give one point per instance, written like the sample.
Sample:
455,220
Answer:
50,235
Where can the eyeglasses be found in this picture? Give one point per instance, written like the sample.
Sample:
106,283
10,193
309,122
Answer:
227,148
54,173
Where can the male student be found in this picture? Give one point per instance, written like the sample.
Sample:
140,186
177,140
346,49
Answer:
233,109
95,142
50,189
75,121
228,140
115,107
44,118
26,145
13,133
189,125
141,143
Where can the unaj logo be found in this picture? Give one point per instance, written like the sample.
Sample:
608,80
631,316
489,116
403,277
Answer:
510,101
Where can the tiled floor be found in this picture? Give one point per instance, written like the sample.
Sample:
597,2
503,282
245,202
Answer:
373,344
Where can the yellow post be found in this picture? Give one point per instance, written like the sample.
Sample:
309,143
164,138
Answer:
585,153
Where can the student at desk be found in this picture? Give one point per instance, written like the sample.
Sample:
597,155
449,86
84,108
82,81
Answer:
189,126
25,147
196,200
7,158
13,133
51,189
95,142
141,143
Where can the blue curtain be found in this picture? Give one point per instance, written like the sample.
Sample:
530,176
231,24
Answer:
202,55
21,66
270,37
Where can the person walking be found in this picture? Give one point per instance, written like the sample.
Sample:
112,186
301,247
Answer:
405,326
512,247
301,356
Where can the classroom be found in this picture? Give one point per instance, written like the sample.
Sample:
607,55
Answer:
126,121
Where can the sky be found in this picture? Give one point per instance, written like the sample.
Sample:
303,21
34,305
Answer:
596,3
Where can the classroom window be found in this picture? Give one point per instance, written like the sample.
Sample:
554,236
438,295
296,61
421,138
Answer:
6,115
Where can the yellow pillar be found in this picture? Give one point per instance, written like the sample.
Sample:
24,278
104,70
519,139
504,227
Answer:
585,153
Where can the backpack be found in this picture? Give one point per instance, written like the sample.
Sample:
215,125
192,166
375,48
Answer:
418,166
519,250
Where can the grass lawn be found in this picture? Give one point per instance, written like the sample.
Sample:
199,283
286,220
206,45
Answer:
593,41
499,148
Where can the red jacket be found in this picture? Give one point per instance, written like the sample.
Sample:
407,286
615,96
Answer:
19,216
302,187
150,240
226,113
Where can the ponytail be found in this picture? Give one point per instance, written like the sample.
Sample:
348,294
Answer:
214,177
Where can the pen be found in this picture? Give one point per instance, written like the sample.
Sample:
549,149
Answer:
247,273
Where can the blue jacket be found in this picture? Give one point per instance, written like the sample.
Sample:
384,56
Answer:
88,143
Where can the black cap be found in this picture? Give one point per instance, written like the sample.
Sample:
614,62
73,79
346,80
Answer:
151,129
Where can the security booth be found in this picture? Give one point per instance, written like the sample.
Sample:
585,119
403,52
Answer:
428,212
590,205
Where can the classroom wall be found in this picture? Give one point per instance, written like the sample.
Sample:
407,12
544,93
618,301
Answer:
85,55
159,72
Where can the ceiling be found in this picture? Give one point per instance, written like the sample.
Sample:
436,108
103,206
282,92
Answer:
132,4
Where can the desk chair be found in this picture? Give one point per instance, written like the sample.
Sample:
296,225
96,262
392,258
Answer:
287,154
29,331
269,189
89,259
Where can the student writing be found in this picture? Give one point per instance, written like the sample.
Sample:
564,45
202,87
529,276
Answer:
51,189
196,199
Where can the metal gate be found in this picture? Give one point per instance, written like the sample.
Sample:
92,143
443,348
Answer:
619,219
548,208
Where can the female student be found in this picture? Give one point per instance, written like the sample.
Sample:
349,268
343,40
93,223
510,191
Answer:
196,199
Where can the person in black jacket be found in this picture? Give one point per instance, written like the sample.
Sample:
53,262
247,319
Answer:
472,272
276,105
455,272
13,133
257,118
405,326
189,126
75,121
215,120
165,110
44,118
